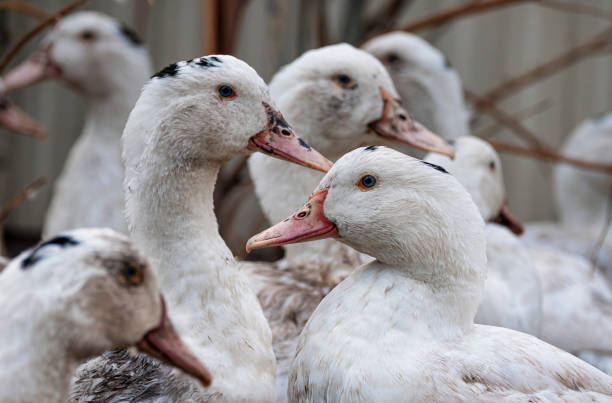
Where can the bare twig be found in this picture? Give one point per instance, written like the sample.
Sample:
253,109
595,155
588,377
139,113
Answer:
22,7
36,30
521,115
462,10
596,44
20,197
503,118
549,155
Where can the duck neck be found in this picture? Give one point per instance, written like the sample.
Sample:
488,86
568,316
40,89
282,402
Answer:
441,309
172,219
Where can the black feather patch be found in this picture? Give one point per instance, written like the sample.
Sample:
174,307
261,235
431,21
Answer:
436,167
169,71
370,148
130,35
208,62
62,241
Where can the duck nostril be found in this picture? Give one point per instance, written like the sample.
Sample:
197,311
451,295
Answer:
302,214
285,132
403,117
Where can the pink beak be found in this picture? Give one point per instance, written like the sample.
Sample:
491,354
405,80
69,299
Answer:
279,140
308,224
36,68
13,118
395,123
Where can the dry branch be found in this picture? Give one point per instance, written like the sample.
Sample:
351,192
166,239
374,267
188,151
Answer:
503,118
20,197
577,8
549,155
463,10
22,7
36,30
521,115
596,44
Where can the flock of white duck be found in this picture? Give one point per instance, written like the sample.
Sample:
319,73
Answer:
404,255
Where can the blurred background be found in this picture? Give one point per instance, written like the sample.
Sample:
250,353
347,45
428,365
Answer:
486,49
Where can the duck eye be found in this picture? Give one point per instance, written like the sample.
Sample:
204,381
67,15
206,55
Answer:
226,92
492,165
131,275
392,58
366,182
345,81
87,35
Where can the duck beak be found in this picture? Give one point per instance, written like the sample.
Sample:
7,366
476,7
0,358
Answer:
395,123
507,219
36,68
165,344
14,119
307,224
279,140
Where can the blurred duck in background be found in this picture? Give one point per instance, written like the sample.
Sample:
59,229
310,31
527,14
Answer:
583,198
107,64
71,298
428,85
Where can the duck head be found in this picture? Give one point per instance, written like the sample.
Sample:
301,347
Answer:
340,97
211,109
398,209
89,51
92,289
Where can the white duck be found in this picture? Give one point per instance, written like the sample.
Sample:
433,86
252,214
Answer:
428,85
401,328
581,196
512,296
337,97
107,64
191,118
71,298
576,302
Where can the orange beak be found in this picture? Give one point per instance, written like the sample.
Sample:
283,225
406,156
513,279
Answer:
308,224
36,68
165,344
395,123
14,119
279,140
507,219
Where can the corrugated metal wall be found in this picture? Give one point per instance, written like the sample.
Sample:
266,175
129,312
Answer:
485,49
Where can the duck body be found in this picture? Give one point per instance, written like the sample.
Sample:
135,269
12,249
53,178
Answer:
513,297
384,347
581,198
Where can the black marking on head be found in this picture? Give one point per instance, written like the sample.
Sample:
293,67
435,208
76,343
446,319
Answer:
447,63
370,148
169,71
62,241
436,167
208,62
130,35
304,144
